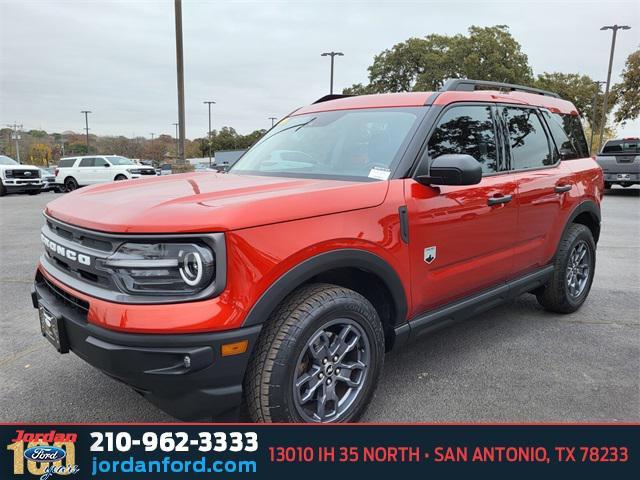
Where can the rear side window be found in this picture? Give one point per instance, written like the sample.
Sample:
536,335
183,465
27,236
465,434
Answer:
87,162
527,139
66,162
566,147
573,129
466,130
100,162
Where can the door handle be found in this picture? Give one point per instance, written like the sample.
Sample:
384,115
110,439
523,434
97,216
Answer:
562,188
498,200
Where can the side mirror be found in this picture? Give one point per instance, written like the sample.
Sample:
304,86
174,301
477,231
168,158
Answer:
452,169
107,165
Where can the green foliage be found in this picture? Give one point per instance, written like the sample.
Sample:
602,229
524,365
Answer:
228,139
423,64
628,92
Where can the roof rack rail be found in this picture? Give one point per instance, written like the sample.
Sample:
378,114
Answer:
466,85
333,96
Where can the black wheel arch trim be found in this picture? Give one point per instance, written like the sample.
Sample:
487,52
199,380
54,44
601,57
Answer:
587,206
321,263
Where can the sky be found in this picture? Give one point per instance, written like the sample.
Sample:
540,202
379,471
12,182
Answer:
255,59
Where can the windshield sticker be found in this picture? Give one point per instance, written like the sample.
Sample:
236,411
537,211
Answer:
379,173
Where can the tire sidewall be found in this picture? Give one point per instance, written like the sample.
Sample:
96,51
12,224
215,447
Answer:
583,234
283,374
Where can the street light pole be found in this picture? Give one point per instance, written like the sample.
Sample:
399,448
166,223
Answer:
86,126
615,29
177,140
180,73
273,121
209,134
594,111
332,55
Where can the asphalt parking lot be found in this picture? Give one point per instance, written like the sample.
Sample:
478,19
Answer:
515,363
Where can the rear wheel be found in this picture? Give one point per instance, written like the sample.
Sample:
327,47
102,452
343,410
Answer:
573,275
318,358
70,184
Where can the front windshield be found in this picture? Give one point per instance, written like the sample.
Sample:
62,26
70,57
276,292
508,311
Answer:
349,144
4,160
120,161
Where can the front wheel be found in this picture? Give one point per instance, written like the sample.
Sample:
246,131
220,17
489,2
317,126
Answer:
575,266
318,358
120,177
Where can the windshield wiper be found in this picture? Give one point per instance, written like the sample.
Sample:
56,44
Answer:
297,127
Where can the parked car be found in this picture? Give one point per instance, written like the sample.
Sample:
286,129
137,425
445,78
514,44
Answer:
620,162
17,178
281,284
165,169
48,176
74,172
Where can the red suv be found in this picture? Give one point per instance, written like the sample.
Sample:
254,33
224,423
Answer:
354,225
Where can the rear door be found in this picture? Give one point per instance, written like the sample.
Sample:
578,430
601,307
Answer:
84,171
542,182
461,237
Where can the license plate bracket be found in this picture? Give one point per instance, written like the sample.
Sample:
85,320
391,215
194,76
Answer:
52,328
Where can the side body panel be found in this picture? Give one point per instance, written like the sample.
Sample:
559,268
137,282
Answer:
474,241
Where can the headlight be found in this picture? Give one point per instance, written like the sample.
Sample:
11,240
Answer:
8,173
161,268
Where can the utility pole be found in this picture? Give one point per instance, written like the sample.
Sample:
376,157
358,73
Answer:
16,136
177,139
615,29
209,131
62,144
594,112
332,55
180,72
86,126
273,121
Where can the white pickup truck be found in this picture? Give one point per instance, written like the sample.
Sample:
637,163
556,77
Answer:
15,178
74,172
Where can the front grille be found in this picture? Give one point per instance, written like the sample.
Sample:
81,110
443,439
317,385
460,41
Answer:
148,172
27,174
66,298
80,237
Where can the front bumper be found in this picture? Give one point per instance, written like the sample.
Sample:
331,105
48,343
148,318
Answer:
17,186
153,364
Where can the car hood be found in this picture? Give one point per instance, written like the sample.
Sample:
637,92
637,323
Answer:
19,167
206,202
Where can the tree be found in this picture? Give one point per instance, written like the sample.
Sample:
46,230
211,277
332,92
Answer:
417,64
40,154
628,91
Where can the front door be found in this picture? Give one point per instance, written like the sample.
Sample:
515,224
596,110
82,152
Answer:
461,237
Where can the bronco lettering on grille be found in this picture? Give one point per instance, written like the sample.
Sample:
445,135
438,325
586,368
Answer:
65,252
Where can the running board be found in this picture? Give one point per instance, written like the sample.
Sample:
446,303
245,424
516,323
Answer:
472,305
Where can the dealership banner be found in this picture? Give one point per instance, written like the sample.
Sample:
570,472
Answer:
185,451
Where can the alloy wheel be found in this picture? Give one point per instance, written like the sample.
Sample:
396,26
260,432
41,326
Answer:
578,269
331,371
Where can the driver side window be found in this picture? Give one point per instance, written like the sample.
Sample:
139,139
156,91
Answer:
469,130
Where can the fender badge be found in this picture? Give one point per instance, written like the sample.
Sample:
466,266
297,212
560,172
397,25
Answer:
429,254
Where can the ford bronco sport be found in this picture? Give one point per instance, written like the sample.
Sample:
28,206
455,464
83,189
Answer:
351,227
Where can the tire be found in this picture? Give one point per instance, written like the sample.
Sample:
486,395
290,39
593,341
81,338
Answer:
3,190
607,185
35,192
70,184
316,316
561,295
120,177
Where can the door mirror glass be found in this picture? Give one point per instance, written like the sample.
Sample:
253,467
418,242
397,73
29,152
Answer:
452,169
